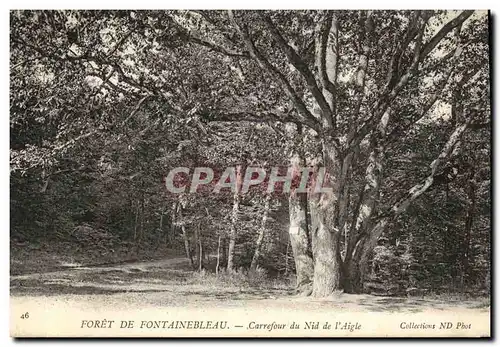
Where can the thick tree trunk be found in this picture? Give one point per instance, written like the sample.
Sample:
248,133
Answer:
262,231
299,232
325,233
352,277
355,266
355,269
326,252
361,243
299,239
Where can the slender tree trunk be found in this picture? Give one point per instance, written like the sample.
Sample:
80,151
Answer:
173,222
186,246
185,236
234,221
136,220
262,231
141,229
469,221
232,233
224,252
200,264
207,252
218,256
45,185
197,247
161,228
286,257
200,248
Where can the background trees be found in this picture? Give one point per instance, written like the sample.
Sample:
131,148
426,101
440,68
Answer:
395,104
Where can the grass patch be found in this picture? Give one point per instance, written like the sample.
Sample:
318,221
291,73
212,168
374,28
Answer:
241,278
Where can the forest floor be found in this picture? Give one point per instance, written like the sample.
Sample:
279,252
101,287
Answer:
170,283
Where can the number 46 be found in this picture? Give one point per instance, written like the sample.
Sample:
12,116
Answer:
25,315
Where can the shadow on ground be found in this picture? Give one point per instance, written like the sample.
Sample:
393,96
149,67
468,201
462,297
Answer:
176,286
87,281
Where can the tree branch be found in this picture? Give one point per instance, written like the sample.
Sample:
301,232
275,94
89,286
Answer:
249,116
323,29
432,100
366,243
362,220
360,75
421,187
304,116
95,131
448,27
395,62
212,46
301,66
136,109
418,54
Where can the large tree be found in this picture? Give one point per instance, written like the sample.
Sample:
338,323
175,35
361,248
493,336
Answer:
355,84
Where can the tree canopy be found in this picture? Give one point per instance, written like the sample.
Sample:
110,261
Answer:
394,104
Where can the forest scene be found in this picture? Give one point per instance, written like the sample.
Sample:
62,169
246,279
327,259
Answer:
394,105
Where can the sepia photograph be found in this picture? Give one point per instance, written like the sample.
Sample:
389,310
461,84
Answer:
250,173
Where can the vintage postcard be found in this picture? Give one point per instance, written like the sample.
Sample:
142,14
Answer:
272,173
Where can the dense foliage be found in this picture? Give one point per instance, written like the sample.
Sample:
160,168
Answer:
394,103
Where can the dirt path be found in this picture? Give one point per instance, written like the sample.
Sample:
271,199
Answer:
168,283
77,269
58,301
